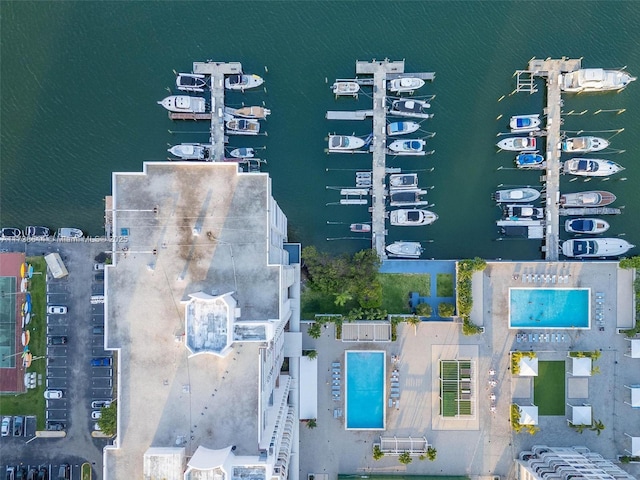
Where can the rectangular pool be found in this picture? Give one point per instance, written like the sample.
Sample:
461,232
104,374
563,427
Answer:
364,390
560,308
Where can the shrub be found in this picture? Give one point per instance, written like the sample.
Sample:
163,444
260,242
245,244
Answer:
405,458
377,453
314,330
515,360
424,310
312,423
446,310
108,419
469,328
431,453
628,263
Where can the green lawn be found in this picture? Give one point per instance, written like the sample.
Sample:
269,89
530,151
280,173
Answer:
549,388
396,289
313,302
444,285
32,402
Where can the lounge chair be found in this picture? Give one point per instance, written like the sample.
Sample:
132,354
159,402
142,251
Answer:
390,402
395,395
335,364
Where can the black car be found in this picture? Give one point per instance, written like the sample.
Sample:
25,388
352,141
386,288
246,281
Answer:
55,426
43,473
58,340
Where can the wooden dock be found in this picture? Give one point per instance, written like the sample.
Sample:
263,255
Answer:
189,116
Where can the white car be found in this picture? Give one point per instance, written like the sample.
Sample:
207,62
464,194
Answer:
96,415
96,427
52,394
6,426
56,309
98,266
100,403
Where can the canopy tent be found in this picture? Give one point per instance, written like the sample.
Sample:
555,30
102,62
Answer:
635,446
581,367
581,414
528,367
634,348
635,395
528,415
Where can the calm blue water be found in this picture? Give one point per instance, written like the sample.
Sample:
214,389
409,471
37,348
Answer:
549,308
365,390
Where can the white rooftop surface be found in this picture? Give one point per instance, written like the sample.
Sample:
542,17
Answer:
635,395
165,462
635,446
308,388
635,347
528,415
528,367
163,392
581,415
581,367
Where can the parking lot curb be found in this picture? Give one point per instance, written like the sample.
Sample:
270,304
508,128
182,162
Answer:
50,434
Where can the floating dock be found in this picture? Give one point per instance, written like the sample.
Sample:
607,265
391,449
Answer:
348,115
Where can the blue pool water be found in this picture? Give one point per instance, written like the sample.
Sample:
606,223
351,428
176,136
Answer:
549,308
365,374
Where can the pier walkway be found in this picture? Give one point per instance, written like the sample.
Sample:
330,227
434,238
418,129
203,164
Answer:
217,70
551,70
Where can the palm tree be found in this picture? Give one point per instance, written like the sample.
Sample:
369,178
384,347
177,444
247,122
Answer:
405,458
415,321
311,423
431,453
377,453
312,354
597,427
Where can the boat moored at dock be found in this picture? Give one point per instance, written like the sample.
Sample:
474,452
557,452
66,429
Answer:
590,226
517,212
408,147
517,144
594,198
411,108
243,152
516,195
69,232
345,88
344,143
37,232
191,151
404,84
595,247
524,123
584,144
10,232
184,104
594,80
242,82
591,167
411,217
191,82
403,180
256,112
404,249
360,227
409,197
401,128
242,126
531,161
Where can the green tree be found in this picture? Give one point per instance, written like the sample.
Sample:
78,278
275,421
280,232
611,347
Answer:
597,427
579,428
342,298
377,453
446,309
314,330
311,423
424,310
369,295
415,321
431,453
632,262
108,420
312,354
405,458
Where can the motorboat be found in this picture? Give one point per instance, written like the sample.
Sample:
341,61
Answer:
591,167
411,108
10,232
70,232
248,112
521,228
524,123
405,249
594,80
342,143
594,198
191,151
584,144
591,226
242,82
242,126
345,88
408,196
530,161
408,147
403,180
401,128
184,104
518,212
516,195
517,144
404,84
34,231
360,227
411,217
595,247
191,82
244,152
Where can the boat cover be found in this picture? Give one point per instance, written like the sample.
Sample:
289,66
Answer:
523,122
581,225
413,216
529,159
584,247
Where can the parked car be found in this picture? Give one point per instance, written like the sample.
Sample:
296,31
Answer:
6,426
52,394
99,277
98,266
57,340
99,330
64,472
101,362
11,473
56,309
43,473
18,422
96,427
33,473
96,415
100,403
21,473
56,426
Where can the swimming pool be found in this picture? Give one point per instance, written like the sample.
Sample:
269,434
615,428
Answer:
559,308
364,392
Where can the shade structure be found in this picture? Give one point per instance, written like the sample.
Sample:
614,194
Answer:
635,445
581,415
528,415
528,367
635,395
581,367
634,348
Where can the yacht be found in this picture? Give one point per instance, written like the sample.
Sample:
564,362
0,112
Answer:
584,144
191,82
595,247
403,180
522,212
70,232
411,108
591,168
242,82
344,143
401,128
244,152
404,84
184,104
242,126
411,217
593,198
191,151
594,80
591,226
34,231
408,147
10,232
524,123
516,195
532,161
345,88
517,144
248,112
404,249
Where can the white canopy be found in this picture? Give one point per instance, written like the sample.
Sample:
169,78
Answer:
308,388
208,459
635,395
581,415
581,367
635,445
528,367
528,415
634,349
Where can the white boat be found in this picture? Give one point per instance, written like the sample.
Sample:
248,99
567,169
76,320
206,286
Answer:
405,249
411,217
522,212
593,198
191,82
184,104
10,232
595,247
517,144
530,228
344,143
591,167
530,161
191,151
244,152
401,128
248,112
516,195
411,108
408,147
360,227
345,88
404,84
35,231
591,226
242,126
70,232
524,123
403,180
584,144
594,80
409,197
242,82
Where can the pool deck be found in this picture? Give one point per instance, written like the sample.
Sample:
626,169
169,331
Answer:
486,444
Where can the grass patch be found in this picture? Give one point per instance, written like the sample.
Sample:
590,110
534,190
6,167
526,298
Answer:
444,285
549,388
396,289
86,471
32,401
313,302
